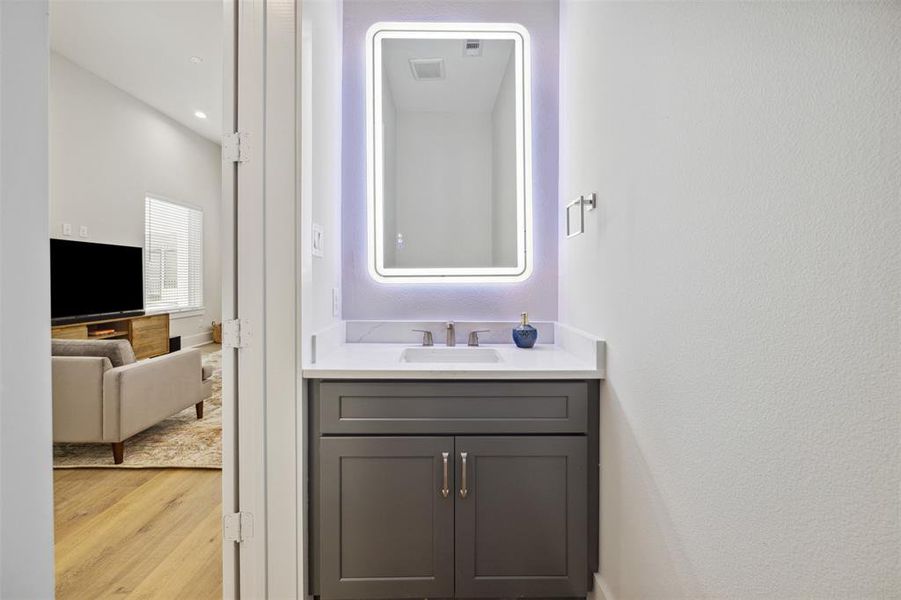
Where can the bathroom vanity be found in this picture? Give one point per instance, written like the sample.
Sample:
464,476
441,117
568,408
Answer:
455,488
441,471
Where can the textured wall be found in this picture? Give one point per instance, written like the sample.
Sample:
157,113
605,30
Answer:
366,299
745,270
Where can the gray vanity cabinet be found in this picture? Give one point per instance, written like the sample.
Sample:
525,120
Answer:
387,531
454,490
520,530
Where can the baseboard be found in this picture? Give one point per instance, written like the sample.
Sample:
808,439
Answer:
601,590
199,339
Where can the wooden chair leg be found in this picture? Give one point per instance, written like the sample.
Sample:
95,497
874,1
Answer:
118,452
199,408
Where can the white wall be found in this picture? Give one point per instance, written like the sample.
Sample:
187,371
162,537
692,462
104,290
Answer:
389,177
744,267
443,186
107,150
321,159
503,171
26,484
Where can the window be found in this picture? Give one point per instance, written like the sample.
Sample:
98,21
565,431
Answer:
173,256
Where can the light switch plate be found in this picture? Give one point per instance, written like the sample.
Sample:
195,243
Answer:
83,231
318,240
67,228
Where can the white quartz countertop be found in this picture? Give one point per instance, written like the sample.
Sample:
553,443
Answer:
383,361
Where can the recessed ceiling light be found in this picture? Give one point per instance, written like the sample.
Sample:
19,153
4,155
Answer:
200,114
196,60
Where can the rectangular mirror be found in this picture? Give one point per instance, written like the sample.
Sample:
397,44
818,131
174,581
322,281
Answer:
448,152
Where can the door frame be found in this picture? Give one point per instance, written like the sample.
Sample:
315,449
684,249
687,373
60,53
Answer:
261,250
230,498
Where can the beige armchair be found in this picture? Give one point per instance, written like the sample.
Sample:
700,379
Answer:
101,394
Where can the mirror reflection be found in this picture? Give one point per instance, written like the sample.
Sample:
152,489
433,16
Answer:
450,189
448,112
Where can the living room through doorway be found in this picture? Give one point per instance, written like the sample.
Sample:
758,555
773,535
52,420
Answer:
135,118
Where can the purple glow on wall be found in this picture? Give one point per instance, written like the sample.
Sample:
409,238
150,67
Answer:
365,298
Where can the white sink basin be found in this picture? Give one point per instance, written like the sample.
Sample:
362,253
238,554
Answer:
450,355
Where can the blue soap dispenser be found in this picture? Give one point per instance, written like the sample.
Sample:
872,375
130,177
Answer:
524,335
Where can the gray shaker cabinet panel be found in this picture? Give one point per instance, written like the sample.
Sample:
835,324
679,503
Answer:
521,517
472,407
386,528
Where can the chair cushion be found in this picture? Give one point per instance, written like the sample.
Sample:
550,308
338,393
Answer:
119,352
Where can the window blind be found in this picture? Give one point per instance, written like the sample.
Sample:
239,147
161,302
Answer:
173,256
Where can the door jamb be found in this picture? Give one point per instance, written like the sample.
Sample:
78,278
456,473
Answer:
230,498
266,298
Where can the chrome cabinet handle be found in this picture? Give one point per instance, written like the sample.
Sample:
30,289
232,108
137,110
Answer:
445,491
464,489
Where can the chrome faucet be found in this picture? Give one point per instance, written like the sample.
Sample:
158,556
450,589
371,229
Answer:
474,336
426,337
451,334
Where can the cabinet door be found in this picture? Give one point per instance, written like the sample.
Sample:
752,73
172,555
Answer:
521,517
150,336
386,526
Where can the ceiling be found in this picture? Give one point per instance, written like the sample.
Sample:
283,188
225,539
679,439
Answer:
145,48
470,84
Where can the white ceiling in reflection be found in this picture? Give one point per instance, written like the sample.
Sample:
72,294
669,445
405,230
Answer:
470,84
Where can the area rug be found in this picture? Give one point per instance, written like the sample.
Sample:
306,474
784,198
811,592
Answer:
181,441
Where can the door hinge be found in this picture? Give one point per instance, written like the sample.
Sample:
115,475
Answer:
235,333
235,147
237,527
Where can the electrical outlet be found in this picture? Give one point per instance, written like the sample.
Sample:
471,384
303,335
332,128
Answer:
336,304
83,231
67,228
318,241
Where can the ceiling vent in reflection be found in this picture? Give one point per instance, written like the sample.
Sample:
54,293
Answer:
472,48
427,69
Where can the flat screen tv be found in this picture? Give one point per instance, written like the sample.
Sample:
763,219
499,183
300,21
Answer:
94,280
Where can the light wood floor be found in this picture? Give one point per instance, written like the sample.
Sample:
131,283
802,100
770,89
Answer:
138,533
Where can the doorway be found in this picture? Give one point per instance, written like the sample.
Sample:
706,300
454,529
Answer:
144,434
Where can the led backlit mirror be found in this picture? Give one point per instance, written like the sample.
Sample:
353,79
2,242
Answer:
448,152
